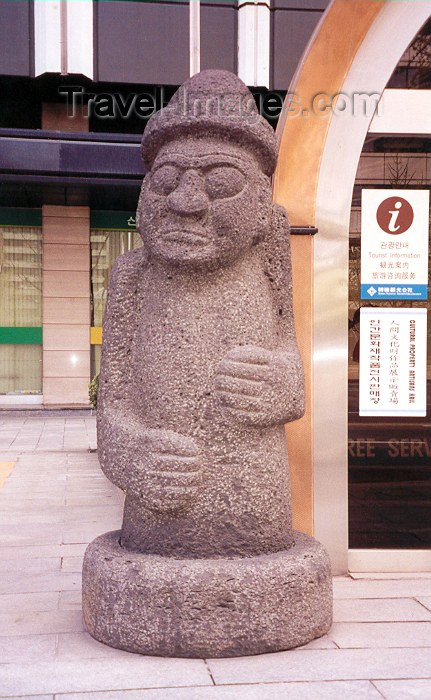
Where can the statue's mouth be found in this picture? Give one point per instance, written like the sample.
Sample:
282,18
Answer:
186,237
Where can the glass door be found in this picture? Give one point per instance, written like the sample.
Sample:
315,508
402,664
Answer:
390,458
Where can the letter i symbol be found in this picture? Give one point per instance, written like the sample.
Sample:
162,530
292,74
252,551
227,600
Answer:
394,217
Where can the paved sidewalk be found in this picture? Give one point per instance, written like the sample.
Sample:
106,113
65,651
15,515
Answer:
53,501
45,433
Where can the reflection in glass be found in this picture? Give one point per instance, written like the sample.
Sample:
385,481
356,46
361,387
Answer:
389,458
106,246
21,306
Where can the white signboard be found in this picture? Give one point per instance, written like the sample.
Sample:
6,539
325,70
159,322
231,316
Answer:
392,362
394,244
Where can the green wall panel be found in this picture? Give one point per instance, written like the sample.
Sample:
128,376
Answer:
20,217
21,335
117,220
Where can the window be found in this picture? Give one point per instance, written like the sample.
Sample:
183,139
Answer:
21,302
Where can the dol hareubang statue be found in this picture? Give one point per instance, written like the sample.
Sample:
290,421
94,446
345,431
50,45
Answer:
200,371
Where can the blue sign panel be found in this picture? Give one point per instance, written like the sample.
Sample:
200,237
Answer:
416,292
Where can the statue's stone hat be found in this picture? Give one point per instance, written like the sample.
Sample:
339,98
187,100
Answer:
212,103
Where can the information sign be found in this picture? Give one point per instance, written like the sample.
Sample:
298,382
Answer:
394,244
392,362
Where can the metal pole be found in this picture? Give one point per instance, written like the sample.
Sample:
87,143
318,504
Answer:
195,36
63,36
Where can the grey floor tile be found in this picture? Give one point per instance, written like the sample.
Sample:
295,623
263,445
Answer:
30,534
21,507
101,674
42,622
91,500
28,602
80,645
324,642
32,566
9,519
28,697
345,587
379,610
31,648
425,600
72,564
323,665
62,581
70,600
356,635
22,499
41,551
87,534
355,690
75,513
405,690
392,575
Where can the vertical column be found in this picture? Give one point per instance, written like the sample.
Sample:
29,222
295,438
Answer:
254,42
66,304
299,433
63,37
65,286
47,37
195,36
80,37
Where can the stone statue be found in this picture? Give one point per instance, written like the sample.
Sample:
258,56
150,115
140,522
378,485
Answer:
200,371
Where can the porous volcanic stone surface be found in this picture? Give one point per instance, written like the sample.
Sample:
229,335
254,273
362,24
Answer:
206,607
200,371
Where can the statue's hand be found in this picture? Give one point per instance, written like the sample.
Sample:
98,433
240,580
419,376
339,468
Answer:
260,387
167,475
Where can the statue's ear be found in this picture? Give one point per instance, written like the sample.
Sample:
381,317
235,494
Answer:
138,210
264,219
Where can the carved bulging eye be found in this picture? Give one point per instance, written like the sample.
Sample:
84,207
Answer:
165,179
224,181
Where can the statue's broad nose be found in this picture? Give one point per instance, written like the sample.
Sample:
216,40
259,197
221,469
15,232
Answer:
189,198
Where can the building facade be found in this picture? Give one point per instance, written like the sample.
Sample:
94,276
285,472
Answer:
70,165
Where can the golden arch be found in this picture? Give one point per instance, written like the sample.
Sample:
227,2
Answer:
354,49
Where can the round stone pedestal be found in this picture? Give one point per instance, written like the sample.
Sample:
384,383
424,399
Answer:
206,607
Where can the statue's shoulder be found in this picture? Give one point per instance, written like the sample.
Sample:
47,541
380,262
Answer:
126,271
280,220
